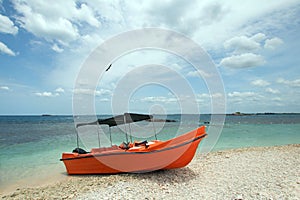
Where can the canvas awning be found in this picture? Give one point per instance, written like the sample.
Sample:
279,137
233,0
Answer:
119,120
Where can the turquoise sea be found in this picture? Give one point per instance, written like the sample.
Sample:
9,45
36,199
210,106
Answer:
31,146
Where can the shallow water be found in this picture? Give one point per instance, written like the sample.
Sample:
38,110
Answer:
31,146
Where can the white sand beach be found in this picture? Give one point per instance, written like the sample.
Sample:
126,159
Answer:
248,173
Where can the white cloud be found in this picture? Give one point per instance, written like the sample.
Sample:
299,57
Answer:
260,83
199,19
60,90
7,26
46,94
4,88
104,100
206,98
206,95
273,91
259,37
242,44
243,61
199,73
86,14
159,99
277,99
63,21
242,94
273,43
246,98
293,83
56,93
35,18
61,30
4,49
102,92
56,48
84,91
176,66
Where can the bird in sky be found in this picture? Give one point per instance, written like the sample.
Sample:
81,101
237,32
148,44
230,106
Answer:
108,67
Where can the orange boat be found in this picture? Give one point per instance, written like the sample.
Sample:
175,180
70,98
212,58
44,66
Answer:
134,156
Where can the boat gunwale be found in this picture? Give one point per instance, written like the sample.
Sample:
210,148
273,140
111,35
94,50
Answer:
136,152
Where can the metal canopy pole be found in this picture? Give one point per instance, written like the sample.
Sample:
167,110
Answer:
130,133
129,127
125,128
98,136
110,136
77,139
154,129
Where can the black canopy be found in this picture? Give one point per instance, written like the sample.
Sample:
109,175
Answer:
119,119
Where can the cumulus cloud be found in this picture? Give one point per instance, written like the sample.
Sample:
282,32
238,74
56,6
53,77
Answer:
86,14
259,37
293,83
60,90
159,99
278,99
100,92
243,61
56,48
199,73
260,83
55,21
5,50
4,88
242,97
242,44
273,91
213,13
104,100
46,94
61,30
57,92
7,26
205,97
243,50
83,91
174,17
241,94
273,43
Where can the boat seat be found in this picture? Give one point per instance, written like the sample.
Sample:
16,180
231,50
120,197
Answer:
126,145
144,143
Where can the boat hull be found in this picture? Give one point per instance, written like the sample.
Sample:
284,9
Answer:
174,153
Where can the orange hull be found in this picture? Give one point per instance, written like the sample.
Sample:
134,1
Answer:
174,153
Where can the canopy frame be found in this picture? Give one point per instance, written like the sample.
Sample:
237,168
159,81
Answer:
126,118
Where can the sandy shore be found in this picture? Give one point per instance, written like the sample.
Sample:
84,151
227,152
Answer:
249,173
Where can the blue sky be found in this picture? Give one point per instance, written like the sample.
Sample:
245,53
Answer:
254,45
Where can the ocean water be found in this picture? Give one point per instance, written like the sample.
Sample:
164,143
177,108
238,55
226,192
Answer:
31,146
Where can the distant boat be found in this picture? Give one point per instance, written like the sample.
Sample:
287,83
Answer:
131,156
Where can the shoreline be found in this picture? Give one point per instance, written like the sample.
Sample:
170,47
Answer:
245,173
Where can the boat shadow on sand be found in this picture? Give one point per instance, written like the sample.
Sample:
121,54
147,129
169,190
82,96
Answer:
172,176
161,177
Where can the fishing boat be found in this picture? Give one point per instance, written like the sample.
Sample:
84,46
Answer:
133,156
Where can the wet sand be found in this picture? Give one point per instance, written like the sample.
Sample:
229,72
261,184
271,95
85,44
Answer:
248,173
